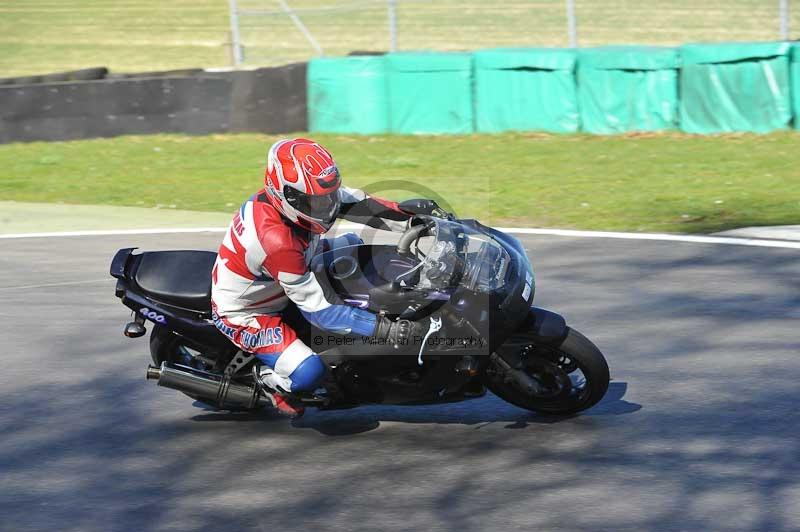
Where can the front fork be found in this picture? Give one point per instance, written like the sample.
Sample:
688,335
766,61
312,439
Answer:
539,327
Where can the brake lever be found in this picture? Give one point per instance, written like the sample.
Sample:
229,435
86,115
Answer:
436,324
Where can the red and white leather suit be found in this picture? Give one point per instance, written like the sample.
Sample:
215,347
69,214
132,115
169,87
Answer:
262,265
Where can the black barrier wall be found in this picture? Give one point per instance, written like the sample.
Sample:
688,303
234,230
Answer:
269,100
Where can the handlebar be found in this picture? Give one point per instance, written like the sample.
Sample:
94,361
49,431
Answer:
412,234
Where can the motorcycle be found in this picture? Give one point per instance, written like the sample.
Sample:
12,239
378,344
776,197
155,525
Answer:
473,283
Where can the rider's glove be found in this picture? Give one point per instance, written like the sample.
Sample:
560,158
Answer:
401,332
438,212
427,207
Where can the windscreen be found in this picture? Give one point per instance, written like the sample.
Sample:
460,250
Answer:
486,264
457,254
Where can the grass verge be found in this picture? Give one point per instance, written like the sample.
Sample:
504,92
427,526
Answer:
669,182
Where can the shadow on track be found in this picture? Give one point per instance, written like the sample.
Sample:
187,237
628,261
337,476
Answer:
479,412
706,339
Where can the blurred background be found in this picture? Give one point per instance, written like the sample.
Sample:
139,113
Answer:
39,36
605,112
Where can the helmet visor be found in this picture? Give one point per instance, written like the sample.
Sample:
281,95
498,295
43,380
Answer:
321,208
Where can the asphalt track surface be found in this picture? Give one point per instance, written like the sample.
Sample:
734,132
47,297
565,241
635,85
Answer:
699,430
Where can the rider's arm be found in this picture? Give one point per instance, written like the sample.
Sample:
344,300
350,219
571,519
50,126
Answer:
319,305
361,208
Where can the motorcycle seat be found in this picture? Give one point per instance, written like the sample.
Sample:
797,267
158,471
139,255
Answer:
177,278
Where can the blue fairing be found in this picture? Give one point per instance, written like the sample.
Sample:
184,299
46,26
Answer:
343,319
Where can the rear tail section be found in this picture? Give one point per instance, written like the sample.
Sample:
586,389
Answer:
170,289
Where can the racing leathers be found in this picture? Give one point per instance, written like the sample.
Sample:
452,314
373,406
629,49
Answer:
262,266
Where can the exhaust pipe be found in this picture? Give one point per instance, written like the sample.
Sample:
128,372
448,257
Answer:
216,389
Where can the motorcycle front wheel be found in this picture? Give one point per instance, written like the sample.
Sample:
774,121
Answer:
567,378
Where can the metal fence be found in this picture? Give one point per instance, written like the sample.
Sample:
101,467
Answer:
268,32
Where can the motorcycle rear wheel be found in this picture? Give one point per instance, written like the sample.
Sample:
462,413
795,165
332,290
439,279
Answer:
550,365
167,347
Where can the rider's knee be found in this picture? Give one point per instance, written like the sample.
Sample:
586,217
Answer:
308,374
301,366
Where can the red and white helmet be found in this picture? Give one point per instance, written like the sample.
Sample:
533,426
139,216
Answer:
302,182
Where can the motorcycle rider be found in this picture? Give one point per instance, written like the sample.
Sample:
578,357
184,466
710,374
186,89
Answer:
262,266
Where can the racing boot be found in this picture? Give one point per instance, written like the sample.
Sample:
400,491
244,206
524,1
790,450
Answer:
282,400
284,406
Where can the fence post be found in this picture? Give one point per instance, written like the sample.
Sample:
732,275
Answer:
300,26
783,6
572,25
392,8
236,41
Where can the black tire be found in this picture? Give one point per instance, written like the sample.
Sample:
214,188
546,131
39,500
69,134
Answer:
165,347
583,354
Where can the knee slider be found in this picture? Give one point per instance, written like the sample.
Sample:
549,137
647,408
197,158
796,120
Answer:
308,374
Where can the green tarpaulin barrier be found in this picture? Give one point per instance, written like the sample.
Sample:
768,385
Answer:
628,88
348,95
735,87
430,92
795,76
525,89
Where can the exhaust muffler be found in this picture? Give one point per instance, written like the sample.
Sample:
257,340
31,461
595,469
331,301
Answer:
210,387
